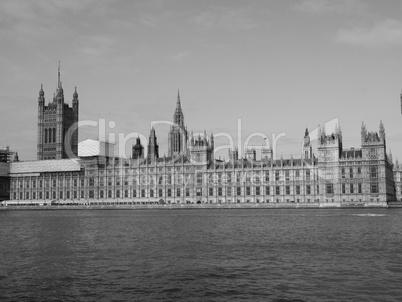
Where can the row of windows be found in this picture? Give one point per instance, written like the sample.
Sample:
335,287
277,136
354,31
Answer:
352,188
50,135
48,195
373,172
198,192
47,183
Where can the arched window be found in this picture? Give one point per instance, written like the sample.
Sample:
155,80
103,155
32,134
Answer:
45,136
54,135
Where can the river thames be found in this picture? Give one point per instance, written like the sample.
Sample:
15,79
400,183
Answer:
201,255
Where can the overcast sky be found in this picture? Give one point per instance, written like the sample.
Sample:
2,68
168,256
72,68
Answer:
279,66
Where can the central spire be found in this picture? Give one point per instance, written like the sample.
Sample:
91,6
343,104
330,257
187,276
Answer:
178,116
178,105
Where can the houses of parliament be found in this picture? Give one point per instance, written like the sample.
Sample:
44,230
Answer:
88,173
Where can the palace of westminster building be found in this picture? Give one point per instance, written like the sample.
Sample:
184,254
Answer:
68,172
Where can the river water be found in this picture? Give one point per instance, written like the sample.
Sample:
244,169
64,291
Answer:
201,255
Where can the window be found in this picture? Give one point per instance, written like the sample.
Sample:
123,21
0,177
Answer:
169,192
298,190
45,136
211,191
61,194
229,191
238,191
359,170
82,194
297,173
75,194
374,187
109,194
40,195
91,194
91,182
308,189
187,192
142,192
343,172
248,191
330,188
125,193
54,183
82,182
307,174
287,190
351,172
277,190
373,172
54,195
343,188
151,193
257,191
199,178
276,175
359,188
287,174
134,193
351,189
160,191
267,176
220,191
199,191
54,135
178,192
267,190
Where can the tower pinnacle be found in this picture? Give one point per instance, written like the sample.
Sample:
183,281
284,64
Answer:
58,78
178,104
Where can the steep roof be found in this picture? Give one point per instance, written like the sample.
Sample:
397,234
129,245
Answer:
37,166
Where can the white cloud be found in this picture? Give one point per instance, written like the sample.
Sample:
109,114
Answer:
230,18
330,6
385,33
28,21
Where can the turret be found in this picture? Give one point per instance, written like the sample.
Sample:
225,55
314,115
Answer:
153,148
363,133
307,151
41,98
138,150
382,132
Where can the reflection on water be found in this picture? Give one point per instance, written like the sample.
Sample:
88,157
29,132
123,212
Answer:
218,255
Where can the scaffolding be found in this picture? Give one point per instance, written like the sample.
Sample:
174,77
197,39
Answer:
6,155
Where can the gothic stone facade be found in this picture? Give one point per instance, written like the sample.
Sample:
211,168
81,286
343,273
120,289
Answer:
190,174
